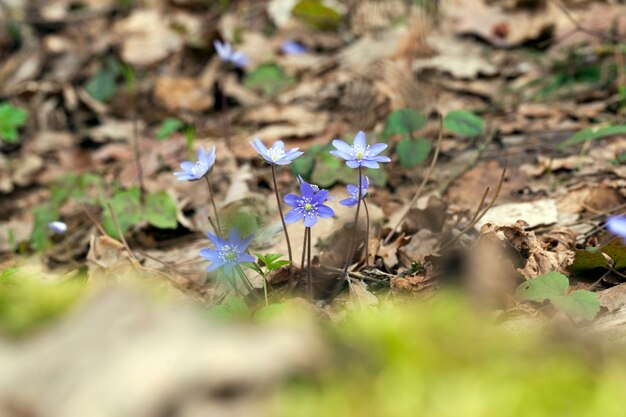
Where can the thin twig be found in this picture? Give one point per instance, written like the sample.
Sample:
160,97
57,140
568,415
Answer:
119,232
94,221
418,193
353,274
479,213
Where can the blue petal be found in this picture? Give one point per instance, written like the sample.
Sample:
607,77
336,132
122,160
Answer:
245,258
352,189
306,190
293,216
279,144
377,148
365,182
201,154
187,165
320,196
221,49
370,164
292,200
239,59
233,237
325,212
243,245
381,158
353,164
348,202
342,146
214,265
209,254
342,155
617,225
185,176
210,157
310,220
359,139
216,240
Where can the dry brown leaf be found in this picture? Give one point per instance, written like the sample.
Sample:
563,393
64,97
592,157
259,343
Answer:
181,93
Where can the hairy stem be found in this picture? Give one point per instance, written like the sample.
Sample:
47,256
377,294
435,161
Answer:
282,219
303,254
354,229
217,217
309,270
367,234
265,289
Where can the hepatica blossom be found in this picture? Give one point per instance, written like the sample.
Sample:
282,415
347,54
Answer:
57,227
309,206
276,154
227,253
192,171
228,54
360,153
292,48
353,192
617,225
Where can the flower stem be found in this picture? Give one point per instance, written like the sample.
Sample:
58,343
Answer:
217,217
265,289
309,270
367,234
354,229
303,254
282,219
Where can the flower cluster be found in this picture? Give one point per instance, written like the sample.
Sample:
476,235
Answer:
309,206
193,171
228,54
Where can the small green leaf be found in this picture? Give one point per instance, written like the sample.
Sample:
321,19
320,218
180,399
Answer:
127,208
592,133
11,119
269,79
412,152
463,123
403,122
586,261
277,264
580,303
234,308
548,285
103,85
161,210
617,252
253,266
168,127
317,15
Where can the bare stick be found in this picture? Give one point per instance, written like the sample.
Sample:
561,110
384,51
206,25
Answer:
137,153
282,219
367,234
480,213
94,221
119,232
217,217
418,193
354,229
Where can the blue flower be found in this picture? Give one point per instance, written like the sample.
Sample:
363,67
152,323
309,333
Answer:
57,227
353,192
227,54
360,153
309,206
227,253
192,171
292,48
617,225
276,154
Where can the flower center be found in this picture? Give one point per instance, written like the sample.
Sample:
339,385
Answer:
276,153
200,168
308,206
229,253
359,152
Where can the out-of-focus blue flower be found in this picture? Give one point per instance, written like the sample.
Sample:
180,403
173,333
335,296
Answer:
309,206
353,192
227,253
360,153
617,225
276,154
228,54
57,227
292,48
192,171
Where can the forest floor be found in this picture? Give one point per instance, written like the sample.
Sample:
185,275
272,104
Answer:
504,123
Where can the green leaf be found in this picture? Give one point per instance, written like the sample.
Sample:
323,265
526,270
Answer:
315,14
580,303
269,79
592,133
102,86
277,264
168,127
127,208
11,118
463,123
161,210
617,252
232,309
586,261
304,164
253,266
43,215
412,152
403,122
548,285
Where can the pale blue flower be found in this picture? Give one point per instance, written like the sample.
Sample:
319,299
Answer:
57,227
353,192
292,48
276,154
360,153
228,54
617,225
192,171
309,206
227,253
